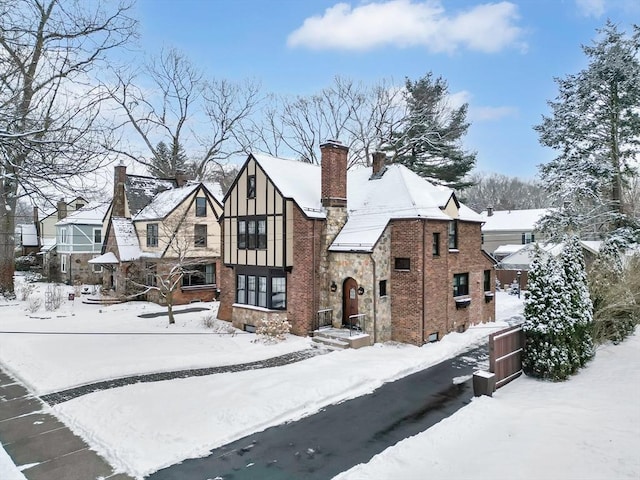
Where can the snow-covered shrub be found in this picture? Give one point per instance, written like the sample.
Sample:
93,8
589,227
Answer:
548,351
273,330
217,326
24,263
53,297
579,307
25,291
34,303
615,291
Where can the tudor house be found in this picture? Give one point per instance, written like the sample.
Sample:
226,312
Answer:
154,224
379,248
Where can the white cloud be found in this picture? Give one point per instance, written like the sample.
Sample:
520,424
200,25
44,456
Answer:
487,28
480,113
591,8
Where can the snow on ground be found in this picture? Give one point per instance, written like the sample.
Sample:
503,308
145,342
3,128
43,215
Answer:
106,342
141,428
587,428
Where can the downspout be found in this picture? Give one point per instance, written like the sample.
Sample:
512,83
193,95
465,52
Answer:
375,309
424,273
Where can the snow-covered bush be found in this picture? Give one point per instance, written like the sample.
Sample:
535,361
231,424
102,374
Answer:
615,291
580,307
34,303
217,326
548,351
273,330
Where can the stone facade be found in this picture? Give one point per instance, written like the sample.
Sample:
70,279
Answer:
79,271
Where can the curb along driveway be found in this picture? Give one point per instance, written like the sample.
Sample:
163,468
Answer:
343,435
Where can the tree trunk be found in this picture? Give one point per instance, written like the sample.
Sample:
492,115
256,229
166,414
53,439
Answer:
172,320
7,244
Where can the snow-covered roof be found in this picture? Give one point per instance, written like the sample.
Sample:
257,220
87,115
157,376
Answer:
48,244
165,202
28,234
90,214
397,194
372,202
299,181
508,249
521,259
108,258
215,189
508,220
126,239
140,190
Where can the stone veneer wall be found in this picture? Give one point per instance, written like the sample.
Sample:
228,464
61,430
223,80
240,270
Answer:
79,270
382,305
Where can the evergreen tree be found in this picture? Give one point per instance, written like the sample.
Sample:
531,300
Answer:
595,128
548,352
580,308
167,162
430,140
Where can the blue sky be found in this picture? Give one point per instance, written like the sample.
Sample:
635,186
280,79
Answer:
500,57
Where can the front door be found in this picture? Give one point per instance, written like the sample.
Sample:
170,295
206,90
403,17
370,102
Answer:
349,299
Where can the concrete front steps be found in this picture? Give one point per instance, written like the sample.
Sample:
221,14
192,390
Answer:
340,339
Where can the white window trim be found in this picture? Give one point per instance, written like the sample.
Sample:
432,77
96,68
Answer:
63,263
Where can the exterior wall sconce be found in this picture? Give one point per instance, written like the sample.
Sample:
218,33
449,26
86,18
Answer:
333,287
360,290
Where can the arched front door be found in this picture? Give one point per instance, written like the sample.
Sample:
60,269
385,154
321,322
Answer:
349,299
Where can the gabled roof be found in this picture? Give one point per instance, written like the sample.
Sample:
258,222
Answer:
28,234
299,181
521,260
140,190
90,214
509,220
397,193
126,239
165,202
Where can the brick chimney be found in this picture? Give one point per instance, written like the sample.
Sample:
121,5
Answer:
378,162
489,211
119,179
62,209
334,173
182,178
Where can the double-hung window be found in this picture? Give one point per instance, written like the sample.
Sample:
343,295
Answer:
201,207
453,235
200,235
152,235
460,284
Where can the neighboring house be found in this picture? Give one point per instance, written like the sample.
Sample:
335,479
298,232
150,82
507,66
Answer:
50,217
516,266
510,227
380,248
154,224
78,240
26,239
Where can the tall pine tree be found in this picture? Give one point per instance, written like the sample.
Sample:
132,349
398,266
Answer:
594,127
167,162
430,139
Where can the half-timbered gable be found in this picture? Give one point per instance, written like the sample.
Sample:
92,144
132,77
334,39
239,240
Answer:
380,250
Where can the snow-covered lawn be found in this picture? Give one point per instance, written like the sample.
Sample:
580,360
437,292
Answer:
141,428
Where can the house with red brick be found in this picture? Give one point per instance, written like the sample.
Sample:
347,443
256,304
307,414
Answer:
154,225
381,250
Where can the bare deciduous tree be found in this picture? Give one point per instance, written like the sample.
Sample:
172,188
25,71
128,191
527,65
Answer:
184,110
51,129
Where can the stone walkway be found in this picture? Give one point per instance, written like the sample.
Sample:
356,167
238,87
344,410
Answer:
65,395
40,444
